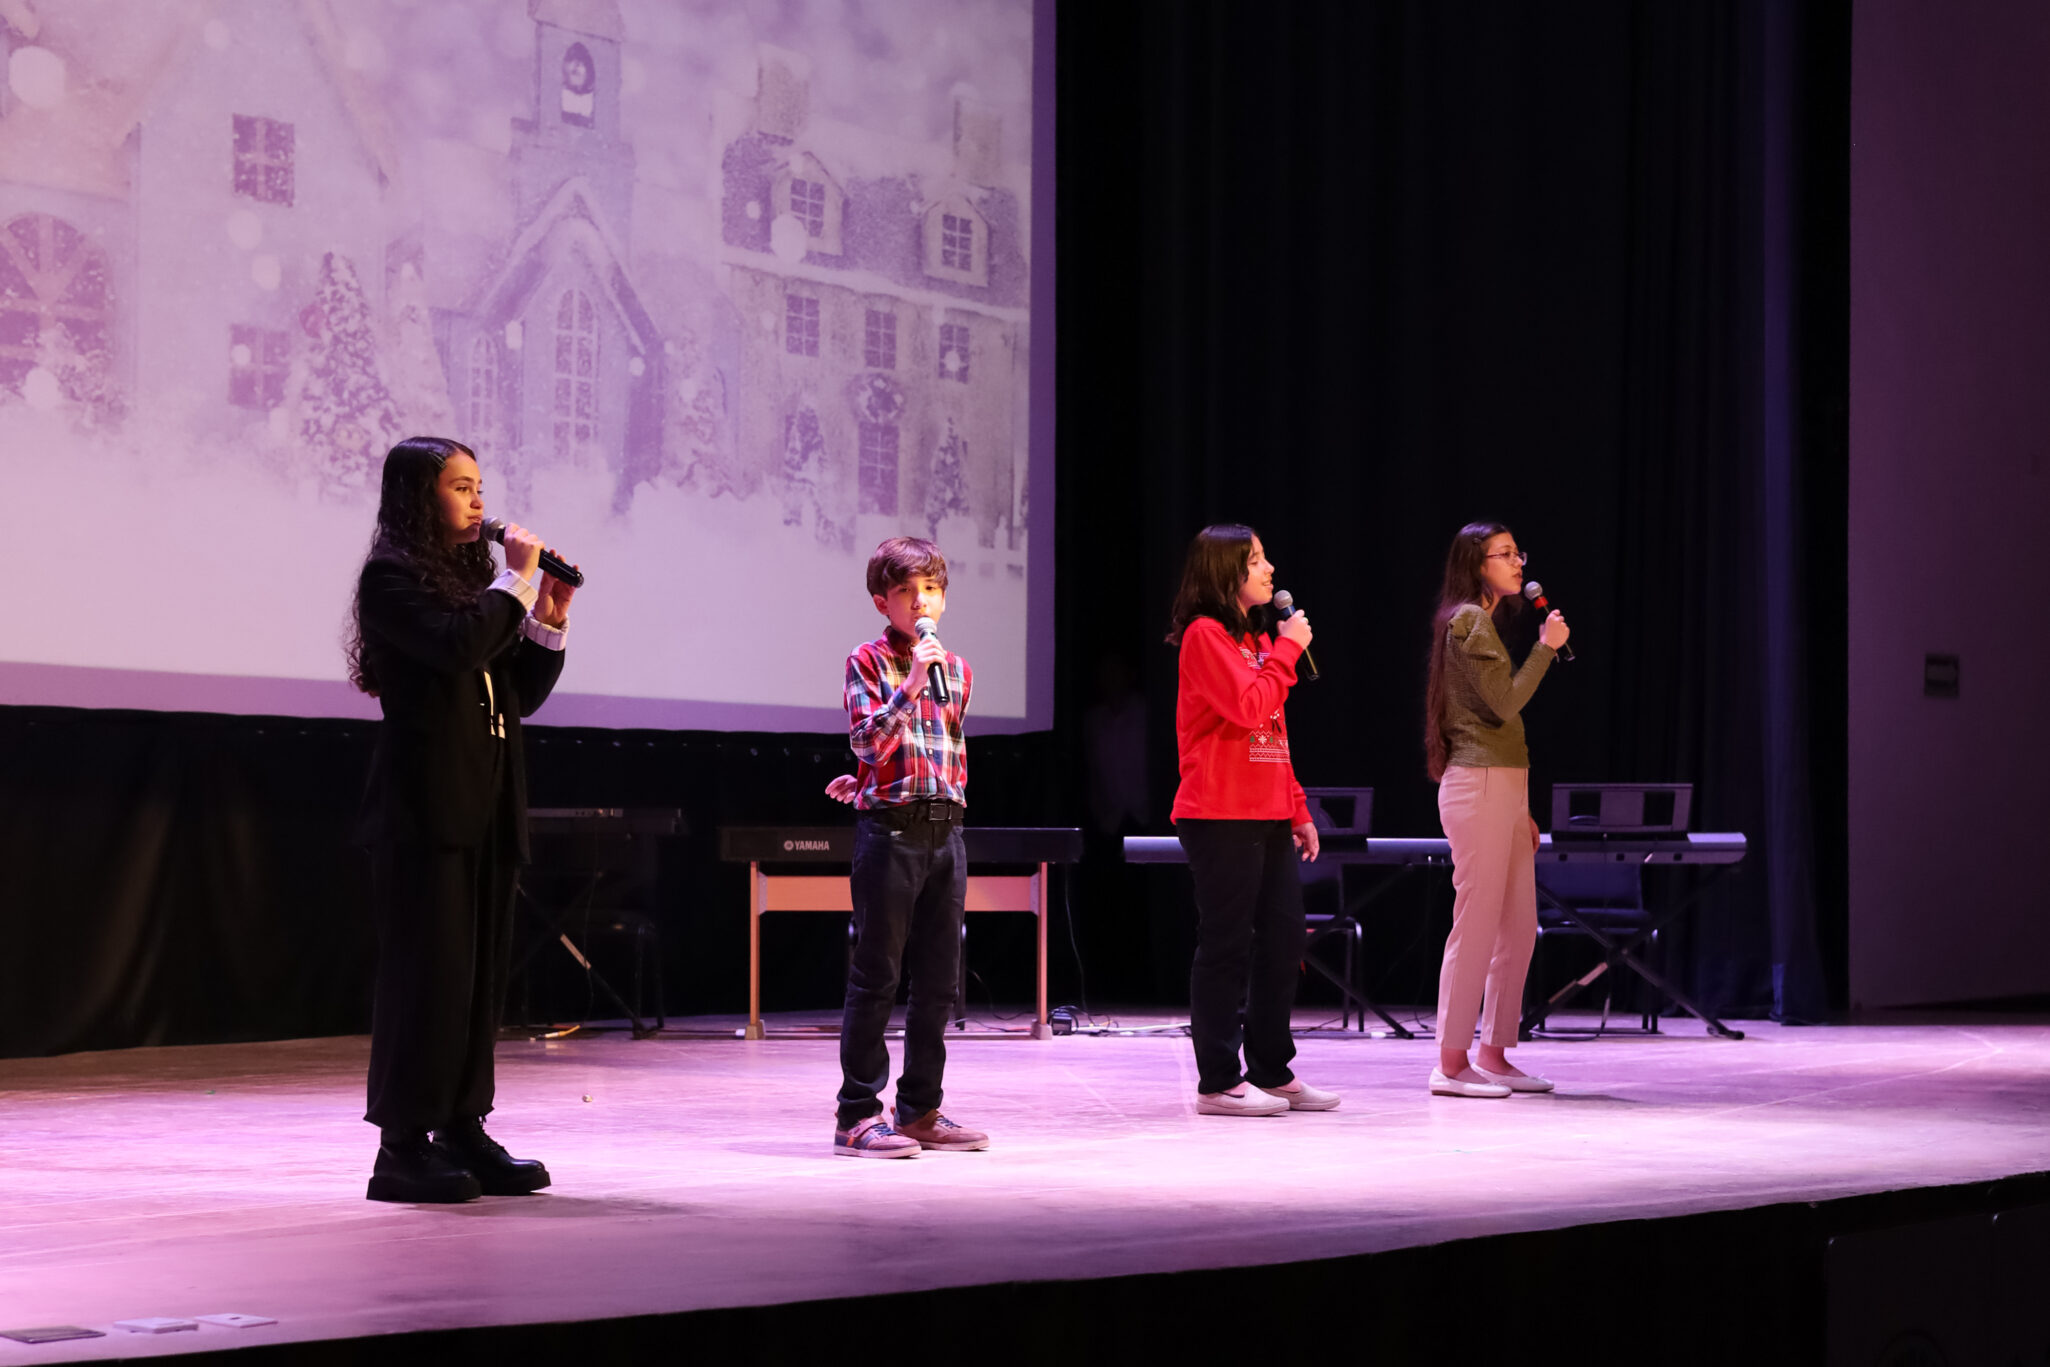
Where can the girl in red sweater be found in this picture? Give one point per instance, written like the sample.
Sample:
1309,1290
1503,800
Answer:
1243,822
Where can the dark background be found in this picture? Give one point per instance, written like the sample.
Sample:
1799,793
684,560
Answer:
1354,273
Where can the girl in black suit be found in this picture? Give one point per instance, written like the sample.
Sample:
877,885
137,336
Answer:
456,652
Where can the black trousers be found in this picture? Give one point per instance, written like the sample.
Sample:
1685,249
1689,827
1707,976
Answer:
910,891
444,937
1250,939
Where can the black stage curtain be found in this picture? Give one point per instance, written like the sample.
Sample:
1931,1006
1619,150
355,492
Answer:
1353,272
178,879
1359,273
185,879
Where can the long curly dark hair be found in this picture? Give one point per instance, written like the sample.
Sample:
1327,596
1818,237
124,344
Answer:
1212,575
1463,585
409,531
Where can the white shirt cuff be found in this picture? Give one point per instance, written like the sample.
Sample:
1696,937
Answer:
543,635
519,588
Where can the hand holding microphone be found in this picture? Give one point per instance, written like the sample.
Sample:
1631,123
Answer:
930,653
1295,626
1555,631
523,550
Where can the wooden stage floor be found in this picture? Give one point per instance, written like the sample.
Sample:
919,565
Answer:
696,1172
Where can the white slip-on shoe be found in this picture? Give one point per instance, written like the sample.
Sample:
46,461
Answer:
1305,1097
1526,1083
1458,1086
1252,1102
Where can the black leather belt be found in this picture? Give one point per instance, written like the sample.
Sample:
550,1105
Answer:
925,812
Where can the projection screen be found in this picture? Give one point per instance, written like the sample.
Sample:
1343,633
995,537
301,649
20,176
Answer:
722,292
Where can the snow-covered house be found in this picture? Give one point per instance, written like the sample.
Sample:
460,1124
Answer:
550,353
168,204
882,289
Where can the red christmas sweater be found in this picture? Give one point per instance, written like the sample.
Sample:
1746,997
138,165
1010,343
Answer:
1229,730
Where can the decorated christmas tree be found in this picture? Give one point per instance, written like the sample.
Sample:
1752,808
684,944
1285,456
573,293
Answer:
695,448
347,418
804,447
83,375
946,492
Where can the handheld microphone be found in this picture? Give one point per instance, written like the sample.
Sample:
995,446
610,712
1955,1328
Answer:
935,675
1284,608
494,530
1535,593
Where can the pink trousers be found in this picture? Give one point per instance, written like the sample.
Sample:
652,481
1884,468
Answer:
1486,815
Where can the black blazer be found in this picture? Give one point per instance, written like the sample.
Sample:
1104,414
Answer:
433,773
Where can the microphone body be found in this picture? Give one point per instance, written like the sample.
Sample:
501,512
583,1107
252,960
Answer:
1534,592
1284,608
494,529
935,674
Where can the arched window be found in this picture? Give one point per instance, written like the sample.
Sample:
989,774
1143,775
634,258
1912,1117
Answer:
576,371
55,305
483,397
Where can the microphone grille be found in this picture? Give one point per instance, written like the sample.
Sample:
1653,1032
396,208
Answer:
926,626
494,529
1284,602
1533,590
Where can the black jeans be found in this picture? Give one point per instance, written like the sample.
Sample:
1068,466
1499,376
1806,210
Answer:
910,889
1250,938
444,945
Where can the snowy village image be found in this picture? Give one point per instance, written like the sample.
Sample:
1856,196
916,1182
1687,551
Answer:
722,293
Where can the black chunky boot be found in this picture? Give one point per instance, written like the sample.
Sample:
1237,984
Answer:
484,1158
410,1169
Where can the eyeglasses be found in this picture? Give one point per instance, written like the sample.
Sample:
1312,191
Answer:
1520,557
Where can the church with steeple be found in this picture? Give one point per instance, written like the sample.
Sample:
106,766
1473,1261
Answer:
554,358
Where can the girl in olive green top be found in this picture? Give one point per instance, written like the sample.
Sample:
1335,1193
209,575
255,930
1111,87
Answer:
1475,751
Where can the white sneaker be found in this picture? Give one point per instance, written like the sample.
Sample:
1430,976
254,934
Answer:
1301,1096
1514,1083
1459,1086
1252,1101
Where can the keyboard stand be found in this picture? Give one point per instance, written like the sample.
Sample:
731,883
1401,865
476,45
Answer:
1355,993
1624,952
786,891
552,923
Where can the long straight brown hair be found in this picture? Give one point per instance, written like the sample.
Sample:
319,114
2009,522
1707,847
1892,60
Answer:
1463,586
1212,573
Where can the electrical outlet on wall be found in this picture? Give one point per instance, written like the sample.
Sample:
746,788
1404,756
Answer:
1939,676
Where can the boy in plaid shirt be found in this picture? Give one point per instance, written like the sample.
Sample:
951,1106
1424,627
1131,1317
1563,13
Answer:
910,879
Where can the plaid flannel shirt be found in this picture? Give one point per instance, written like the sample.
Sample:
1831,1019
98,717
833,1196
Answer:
909,749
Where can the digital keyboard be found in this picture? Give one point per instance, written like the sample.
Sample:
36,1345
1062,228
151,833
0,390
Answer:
1716,850
1727,847
835,844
